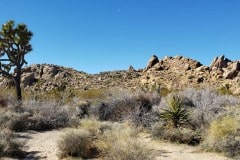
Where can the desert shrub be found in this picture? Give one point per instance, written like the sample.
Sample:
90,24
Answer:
225,90
76,143
9,145
7,93
122,142
137,107
3,102
46,115
207,105
104,139
35,116
164,91
83,109
178,135
117,108
91,125
223,136
12,120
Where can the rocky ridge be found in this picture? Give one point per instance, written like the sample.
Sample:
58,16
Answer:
170,73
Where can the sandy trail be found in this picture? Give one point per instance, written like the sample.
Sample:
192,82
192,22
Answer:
183,152
43,145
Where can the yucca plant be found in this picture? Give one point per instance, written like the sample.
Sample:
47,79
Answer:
175,114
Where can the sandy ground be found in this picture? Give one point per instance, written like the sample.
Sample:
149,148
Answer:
43,145
169,151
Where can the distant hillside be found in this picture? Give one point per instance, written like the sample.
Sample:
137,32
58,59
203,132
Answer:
169,73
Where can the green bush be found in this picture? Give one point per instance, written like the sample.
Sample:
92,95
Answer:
176,115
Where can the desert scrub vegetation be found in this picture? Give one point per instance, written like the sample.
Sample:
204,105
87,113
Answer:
186,119
174,122
176,135
175,114
91,94
104,140
36,116
224,136
137,106
207,105
123,142
76,143
10,146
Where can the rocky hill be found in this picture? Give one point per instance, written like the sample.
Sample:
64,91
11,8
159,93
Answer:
179,72
169,73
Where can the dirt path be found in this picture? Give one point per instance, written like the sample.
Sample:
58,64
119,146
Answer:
43,145
169,151
183,152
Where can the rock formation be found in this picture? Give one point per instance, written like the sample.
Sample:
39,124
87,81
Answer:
220,62
168,73
153,60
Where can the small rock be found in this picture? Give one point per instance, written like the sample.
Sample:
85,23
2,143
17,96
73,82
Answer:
131,69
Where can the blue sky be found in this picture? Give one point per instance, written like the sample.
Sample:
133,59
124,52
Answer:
103,35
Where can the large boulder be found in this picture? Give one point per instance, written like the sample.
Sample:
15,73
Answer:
49,72
236,66
153,60
220,62
27,79
232,71
230,74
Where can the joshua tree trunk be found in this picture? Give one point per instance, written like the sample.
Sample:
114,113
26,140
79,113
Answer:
17,81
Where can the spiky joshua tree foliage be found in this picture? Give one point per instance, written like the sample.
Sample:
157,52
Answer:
14,45
175,114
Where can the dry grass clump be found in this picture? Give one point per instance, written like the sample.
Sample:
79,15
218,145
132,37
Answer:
80,142
76,143
122,142
9,145
224,136
104,139
91,125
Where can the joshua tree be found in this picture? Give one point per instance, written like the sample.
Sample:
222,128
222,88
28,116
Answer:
14,45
